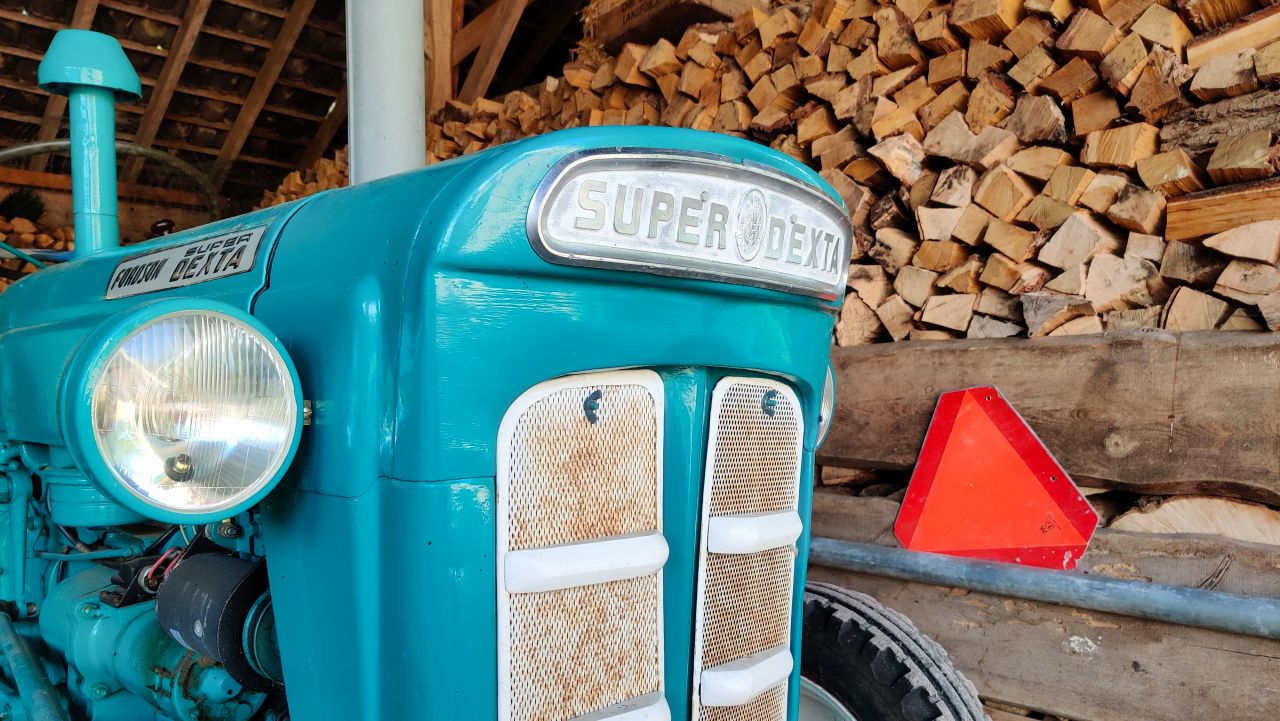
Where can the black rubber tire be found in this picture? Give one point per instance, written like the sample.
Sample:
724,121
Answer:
877,663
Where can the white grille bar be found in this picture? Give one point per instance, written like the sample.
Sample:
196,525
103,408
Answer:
552,568
649,707
737,682
753,533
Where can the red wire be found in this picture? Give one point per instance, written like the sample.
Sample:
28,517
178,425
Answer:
151,571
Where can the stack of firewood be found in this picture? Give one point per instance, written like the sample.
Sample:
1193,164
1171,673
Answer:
1011,168
24,235
325,174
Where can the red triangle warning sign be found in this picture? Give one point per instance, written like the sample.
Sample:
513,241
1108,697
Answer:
986,487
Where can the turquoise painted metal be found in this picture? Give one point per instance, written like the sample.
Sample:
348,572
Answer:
415,310
93,72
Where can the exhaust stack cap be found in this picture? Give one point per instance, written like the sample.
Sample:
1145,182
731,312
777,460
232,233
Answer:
93,71
83,58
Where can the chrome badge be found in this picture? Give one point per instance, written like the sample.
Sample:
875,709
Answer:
691,215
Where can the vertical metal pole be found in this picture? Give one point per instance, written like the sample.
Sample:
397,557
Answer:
93,169
93,71
386,88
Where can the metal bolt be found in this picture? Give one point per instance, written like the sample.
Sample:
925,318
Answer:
769,403
591,406
99,690
227,529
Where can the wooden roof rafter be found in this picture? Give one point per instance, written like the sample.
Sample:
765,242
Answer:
281,48
492,49
167,82
328,130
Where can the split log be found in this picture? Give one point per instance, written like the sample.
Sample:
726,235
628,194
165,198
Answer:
1226,76
1252,31
1214,211
1204,516
1188,309
953,311
1004,193
1078,240
1172,173
1120,147
1199,130
1253,241
1242,158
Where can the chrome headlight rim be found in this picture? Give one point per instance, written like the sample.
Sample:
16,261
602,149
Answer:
84,370
826,405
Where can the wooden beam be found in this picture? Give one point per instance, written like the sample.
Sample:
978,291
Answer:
549,30
492,50
1152,412
469,38
324,134
179,50
439,82
281,47
81,18
60,181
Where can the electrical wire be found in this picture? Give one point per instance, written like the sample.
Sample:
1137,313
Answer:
75,542
23,256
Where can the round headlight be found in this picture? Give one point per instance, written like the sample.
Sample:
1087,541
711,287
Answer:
194,412
827,408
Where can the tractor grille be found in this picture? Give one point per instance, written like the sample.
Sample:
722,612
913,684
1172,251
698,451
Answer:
580,549
750,524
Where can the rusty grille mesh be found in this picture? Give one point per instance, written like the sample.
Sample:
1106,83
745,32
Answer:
574,481
746,601
748,604
768,706
567,480
756,465
582,649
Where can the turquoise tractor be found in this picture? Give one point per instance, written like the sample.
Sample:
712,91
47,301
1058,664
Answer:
525,436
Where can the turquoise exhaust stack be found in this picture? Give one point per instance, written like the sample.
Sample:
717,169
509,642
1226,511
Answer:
92,70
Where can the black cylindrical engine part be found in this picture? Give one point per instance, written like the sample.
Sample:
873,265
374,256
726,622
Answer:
204,603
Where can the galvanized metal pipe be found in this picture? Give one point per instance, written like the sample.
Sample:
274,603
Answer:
1251,616
386,87
38,695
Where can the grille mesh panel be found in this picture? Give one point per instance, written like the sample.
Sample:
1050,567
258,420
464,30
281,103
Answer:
756,465
768,706
745,600
572,480
748,604
566,480
581,649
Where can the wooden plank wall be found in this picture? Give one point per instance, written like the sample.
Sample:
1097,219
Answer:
1147,411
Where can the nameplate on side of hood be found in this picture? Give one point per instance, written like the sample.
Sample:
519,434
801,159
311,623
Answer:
199,261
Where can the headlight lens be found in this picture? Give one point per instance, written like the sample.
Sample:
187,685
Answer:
194,412
827,409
